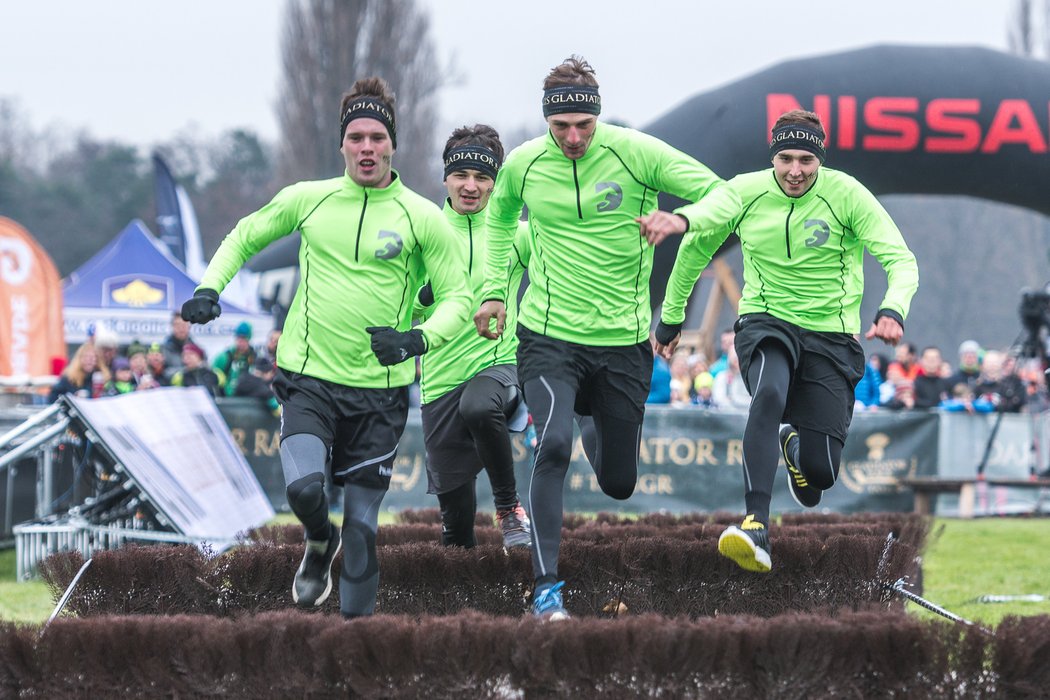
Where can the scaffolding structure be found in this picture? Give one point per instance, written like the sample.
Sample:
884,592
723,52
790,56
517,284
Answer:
111,511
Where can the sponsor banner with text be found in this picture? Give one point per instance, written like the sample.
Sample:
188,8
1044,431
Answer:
690,460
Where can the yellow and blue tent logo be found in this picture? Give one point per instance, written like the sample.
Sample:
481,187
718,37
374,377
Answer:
138,292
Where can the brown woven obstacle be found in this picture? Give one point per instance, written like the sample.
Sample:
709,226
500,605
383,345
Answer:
611,567
292,654
424,526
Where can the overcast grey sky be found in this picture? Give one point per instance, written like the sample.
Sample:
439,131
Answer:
140,71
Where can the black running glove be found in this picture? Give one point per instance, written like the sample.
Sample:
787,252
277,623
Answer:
666,332
392,346
203,307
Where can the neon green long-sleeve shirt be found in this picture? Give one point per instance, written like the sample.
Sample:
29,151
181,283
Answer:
590,268
364,253
802,255
467,353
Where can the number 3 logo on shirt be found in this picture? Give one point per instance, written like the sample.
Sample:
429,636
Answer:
820,235
392,247
613,198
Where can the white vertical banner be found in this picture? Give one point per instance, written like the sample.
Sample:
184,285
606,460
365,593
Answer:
175,445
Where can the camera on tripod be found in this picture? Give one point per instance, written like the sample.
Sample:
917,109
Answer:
1035,319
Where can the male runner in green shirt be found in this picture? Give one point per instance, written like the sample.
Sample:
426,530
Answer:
469,385
803,232
368,243
591,191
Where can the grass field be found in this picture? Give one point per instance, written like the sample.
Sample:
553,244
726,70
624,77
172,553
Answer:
965,559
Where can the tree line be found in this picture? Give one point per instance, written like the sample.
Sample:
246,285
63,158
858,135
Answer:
75,193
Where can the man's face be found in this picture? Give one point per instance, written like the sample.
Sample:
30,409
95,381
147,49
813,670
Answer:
367,150
138,363
180,328
796,171
931,362
242,344
469,190
572,132
191,359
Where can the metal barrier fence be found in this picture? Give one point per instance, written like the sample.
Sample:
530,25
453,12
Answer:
34,542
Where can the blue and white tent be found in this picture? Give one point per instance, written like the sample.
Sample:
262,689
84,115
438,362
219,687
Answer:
133,285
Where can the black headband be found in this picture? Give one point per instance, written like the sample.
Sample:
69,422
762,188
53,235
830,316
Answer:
371,108
797,136
571,98
472,158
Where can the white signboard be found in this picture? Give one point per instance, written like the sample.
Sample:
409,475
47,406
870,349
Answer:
174,444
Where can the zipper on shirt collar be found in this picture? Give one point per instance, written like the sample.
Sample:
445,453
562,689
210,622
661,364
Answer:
360,224
787,231
470,239
576,179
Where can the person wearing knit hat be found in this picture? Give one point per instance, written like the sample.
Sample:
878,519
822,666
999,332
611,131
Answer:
969,369
157,366
346,353
123,381
236,360
804,229
194,371
106,342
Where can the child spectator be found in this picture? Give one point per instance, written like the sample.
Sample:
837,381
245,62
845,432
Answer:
703,385
123,381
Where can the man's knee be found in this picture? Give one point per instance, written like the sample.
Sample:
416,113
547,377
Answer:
618,476
819,464
555,447
360,562
306,494
480,413
618,486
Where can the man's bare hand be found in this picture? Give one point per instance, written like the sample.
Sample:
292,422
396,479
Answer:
887,330
666,351
659,225
488,311
665,338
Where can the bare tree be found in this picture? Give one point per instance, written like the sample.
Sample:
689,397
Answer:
1028,33
327,45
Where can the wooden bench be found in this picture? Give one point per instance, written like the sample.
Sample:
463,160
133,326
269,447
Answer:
926,489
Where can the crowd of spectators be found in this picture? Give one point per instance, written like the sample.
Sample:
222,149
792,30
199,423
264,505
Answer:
981,380
101,366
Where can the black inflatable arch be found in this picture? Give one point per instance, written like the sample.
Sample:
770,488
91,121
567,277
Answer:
901,119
